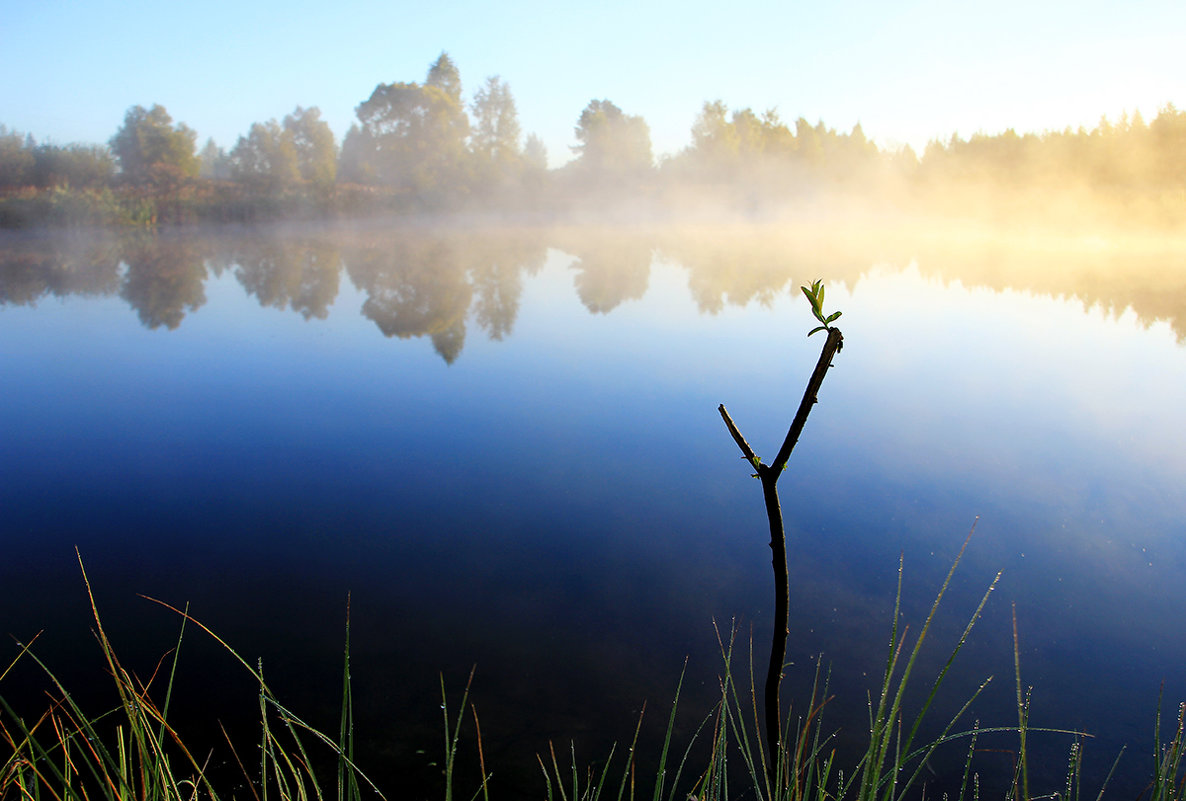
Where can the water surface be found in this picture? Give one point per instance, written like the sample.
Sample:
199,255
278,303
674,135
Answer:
504,446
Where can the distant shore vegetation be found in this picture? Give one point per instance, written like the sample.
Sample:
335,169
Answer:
423,148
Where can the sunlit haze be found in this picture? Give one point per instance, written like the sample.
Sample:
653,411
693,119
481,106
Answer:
907,72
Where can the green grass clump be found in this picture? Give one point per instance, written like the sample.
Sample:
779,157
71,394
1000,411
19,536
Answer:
1169,771
132,753
806,769
894,762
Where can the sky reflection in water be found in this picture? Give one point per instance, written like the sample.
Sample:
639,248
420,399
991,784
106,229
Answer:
521,466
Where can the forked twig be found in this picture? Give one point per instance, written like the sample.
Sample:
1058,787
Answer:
768,474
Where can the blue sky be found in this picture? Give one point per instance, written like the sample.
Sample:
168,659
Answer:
907,71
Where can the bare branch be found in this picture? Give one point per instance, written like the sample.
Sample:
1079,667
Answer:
750,456
834,342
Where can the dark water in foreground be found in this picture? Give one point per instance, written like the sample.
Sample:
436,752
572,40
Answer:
504,446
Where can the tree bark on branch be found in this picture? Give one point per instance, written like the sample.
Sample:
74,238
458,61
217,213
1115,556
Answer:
768,475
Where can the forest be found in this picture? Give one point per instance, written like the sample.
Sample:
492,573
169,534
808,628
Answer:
422,148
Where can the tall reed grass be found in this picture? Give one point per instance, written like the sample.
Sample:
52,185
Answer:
893,765
132,752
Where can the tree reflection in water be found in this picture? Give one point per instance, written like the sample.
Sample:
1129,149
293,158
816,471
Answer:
165,278
302,274
35,268
611,267
425,282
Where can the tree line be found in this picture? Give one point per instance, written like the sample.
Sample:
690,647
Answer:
422,147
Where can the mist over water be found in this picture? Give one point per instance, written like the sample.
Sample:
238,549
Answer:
441,146
503,443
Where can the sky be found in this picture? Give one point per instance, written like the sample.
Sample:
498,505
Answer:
907,71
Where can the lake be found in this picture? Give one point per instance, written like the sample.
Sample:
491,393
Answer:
503,446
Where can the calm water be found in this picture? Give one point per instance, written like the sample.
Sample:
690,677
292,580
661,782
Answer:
504,446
